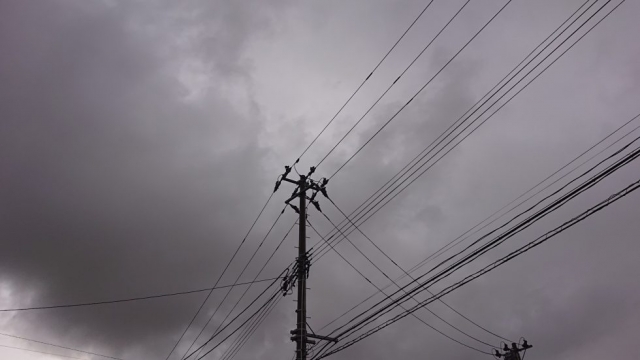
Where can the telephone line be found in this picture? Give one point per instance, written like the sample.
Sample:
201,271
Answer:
231,288
393,83
221,275
538,241
420,90
484,121
507,234
418,157
58,346
415,316
457,239
365,80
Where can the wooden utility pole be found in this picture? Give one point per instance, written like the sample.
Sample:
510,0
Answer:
300,335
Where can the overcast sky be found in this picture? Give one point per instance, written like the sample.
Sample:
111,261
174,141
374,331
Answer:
140,138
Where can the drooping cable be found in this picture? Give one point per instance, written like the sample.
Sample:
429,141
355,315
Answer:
538,241
381,291
267,303
412,279
462,237
392,84
416,160
236,281
240,314
148,297
365,80
220,277
59,346
420,90
509,233
468,134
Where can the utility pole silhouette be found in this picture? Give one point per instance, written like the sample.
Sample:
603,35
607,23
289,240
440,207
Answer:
512,353
303,184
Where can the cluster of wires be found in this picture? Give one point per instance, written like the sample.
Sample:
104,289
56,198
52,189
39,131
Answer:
550,203
367,322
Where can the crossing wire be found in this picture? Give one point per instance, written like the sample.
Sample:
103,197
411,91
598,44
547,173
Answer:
148,297
628,158
412,279
40,352
388,297
481,101
240,314
251,330
393,83
249,287
221,275
236,281
365,80
400,287
267,303
421,89
538,241
462,237
479,116
58,346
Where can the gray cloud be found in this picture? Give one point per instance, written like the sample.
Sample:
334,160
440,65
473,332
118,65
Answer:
140,139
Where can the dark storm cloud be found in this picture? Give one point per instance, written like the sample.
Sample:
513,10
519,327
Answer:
126,172
110,182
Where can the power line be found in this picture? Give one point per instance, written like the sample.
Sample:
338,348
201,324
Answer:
462,236
365,80
418,157
221,275
538,241
238,315
247,289
148,297
250,331
40,352
393,83
381,291
407,274
237,280
473,130
58,346
236,330
420,90
503,237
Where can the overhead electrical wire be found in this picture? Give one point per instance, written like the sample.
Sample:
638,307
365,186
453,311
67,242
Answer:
267,303
59,346
461,239
221,275
148,297
625,160
240,314
237,280
388,193
416,317
538,241
462,236
365,80
538,214
420,90
40,352
400,287
412,279
392,84
251,329
481,101
249,287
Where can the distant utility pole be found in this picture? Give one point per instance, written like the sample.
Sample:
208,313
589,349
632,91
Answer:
300,334
513,353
